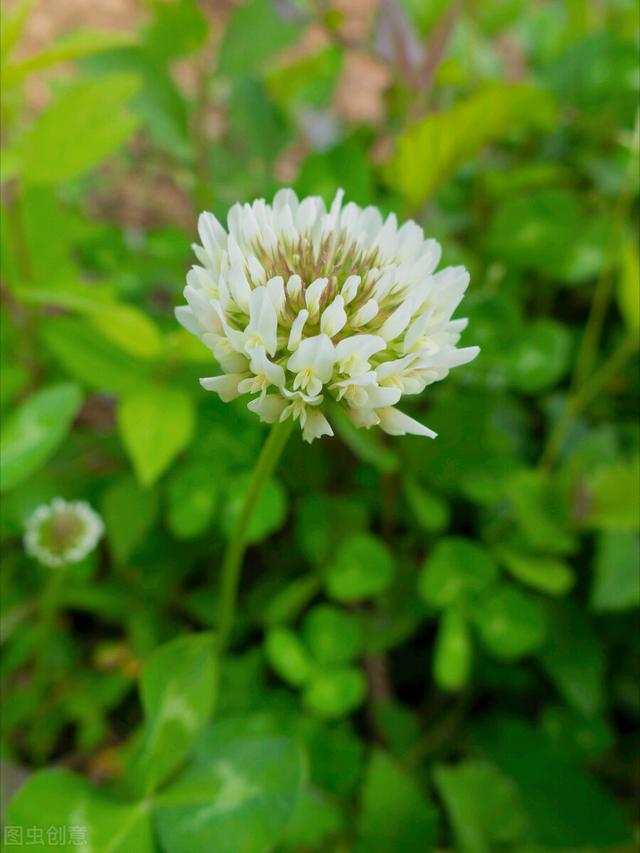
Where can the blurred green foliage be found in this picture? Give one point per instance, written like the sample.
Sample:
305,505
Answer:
437,645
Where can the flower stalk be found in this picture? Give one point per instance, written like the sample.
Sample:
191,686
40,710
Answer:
236,546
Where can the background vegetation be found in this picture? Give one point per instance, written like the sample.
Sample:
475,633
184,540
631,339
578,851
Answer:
438,643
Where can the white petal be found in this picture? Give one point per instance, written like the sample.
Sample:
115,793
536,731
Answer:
240,288
261,366
395,422
365,314
381,398
334,317
256,271
263,320
226,386
314,294
295,335
294,287
275,286
398,321
317,354
184,316
353,353
268,408
212,234
315,426
350,288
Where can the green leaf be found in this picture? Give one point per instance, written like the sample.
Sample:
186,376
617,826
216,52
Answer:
365,445
288,656
430,510
541,517
68,47
362,568
13,25
235,796
176,29
176,689
32,433
80,815
482,805
331,634
614,495
566,809
511,624
269,513
456,570
542,356
628,289
129,329
156,422
335,691
253,35
129,513
91,359
316,818
82,128
430,151
192,499
290,600
395,815
544,573
573,658
453,650
616,584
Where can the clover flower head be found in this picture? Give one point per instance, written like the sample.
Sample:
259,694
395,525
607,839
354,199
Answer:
304,306
62,532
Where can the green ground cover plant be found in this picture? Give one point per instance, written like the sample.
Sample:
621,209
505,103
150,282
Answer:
435,643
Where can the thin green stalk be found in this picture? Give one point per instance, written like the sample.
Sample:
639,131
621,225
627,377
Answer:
236,546
578,402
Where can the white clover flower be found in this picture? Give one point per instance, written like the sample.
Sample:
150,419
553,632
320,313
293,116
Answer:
62,532
301,305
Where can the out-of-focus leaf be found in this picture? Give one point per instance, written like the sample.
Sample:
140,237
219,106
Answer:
70,46
361,568
79,815
616,584
395,815
573,658
35,430
430,151
285,605
345,165
236,795
156,423
287,656
542,356
566,809
176,689
316,818
453,650
129,513
539,513
176,29
547,574
457,569
614,496
192,497
309,81
323,522
430,510
365,446
254,34
128,328
13,25
335,691
629,288
331,634
90,358
269,514
82,128
575,734
482,805
510,623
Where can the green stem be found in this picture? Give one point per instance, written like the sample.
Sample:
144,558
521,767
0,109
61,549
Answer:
581,399
236,546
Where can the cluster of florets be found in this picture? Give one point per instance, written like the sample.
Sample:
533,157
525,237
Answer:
304,307
62,532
